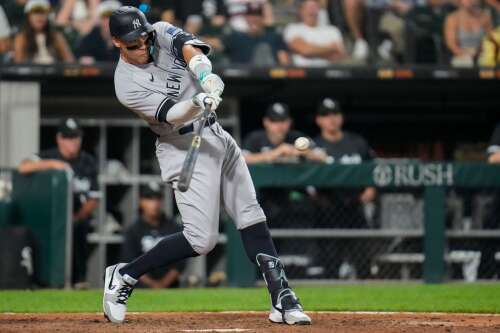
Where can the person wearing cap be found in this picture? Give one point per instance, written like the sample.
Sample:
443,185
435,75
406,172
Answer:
342,208
38,42
97,45
67,156
258,45
284,207
149,229
275,142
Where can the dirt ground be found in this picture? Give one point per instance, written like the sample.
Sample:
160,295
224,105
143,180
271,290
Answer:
249,322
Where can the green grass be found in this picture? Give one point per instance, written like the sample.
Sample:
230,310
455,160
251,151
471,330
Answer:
476,298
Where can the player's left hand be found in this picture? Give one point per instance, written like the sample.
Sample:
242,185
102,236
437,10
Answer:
212,84
203,100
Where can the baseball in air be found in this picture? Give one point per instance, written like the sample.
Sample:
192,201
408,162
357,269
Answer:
302,143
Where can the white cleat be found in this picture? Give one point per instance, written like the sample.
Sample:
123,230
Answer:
288,310
117,290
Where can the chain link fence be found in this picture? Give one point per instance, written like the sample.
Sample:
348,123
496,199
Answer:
328,233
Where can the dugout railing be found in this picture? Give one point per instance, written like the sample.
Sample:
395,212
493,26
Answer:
452,241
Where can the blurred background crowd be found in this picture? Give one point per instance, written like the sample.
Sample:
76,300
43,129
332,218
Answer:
303,33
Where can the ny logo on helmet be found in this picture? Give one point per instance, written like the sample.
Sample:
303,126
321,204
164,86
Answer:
136,23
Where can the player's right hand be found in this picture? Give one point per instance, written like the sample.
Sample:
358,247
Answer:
203,100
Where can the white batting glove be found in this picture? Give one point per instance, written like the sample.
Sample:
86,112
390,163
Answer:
203,100
212,84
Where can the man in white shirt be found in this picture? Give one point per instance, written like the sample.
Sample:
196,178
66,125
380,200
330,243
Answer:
313,45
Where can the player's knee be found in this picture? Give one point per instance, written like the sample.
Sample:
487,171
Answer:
206,244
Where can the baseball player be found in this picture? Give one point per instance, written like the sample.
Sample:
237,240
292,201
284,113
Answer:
165,77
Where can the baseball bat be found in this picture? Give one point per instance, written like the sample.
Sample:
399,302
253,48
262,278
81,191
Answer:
192,154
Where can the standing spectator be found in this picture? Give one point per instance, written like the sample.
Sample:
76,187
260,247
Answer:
38,42
464,30
146,232
313,44
343,208
258,45
69,156
98,44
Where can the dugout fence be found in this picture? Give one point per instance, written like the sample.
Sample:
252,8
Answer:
430,221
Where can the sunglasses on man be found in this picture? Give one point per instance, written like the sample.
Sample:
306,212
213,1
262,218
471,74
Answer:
137,46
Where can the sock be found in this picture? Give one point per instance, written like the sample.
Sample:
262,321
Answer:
169,250
257,239
261,251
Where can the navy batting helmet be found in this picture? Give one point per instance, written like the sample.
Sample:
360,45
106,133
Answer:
128,24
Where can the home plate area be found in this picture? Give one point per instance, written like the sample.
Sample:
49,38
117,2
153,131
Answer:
339,322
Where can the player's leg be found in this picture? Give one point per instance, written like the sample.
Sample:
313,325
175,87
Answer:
241,204
199,209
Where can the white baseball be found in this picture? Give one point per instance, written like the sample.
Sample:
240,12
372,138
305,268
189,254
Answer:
302,143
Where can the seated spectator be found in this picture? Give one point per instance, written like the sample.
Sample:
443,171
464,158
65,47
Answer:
464,30
98,45
275,142
151,227
312,44
257,46
5,42
14,10
38,42
285,12
490,52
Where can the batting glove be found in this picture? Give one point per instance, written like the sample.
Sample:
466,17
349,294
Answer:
212,84
203,100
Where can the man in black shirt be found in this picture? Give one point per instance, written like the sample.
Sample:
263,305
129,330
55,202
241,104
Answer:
342,208
146,232
284,207
275,142
69,156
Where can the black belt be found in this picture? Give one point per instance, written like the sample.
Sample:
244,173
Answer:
190,128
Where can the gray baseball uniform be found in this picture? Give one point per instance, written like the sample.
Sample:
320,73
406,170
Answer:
221,175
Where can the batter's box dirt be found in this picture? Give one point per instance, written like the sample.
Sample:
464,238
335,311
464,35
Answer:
338,322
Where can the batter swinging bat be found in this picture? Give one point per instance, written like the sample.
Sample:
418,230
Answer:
192,154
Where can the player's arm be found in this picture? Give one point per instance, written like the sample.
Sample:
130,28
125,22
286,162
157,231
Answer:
30,166
86,210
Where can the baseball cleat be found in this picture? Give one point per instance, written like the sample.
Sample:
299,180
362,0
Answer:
288,310
117,290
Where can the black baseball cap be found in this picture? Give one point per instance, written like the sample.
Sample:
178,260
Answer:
278,112
128,23
328,106
151,190
69,128
254,8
